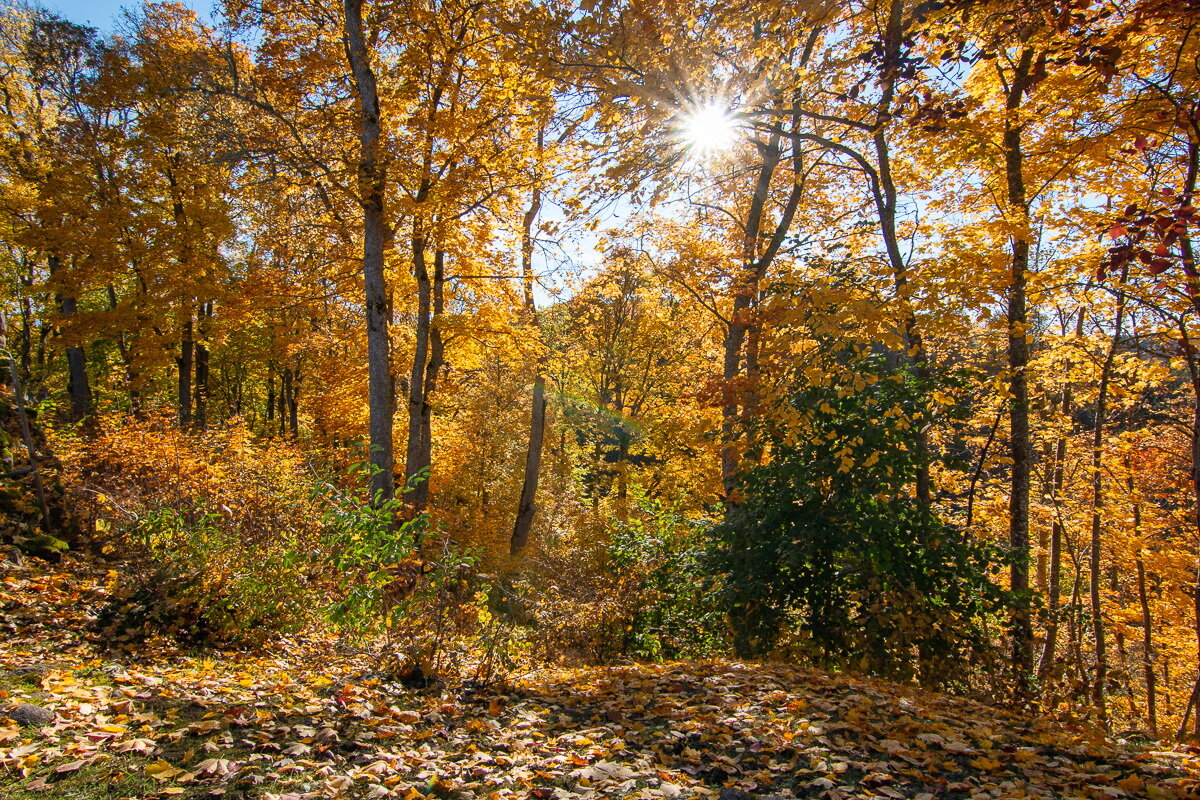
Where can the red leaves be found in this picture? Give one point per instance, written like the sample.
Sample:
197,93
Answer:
1150,235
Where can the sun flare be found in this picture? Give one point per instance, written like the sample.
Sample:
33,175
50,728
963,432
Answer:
708,130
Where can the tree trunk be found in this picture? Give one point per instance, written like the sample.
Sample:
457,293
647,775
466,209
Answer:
293,403
437,350
742,317
77,377
1020,448
1054,579
270,415
1147,634
527,507
416,382
886,203
372,183
1097,485
201,413
186,352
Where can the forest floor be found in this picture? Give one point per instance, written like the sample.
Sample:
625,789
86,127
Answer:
298,722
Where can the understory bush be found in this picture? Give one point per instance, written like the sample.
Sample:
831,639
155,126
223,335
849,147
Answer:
830,557
224,530
236,539
411,595
657,557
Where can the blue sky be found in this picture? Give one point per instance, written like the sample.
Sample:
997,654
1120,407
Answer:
101,13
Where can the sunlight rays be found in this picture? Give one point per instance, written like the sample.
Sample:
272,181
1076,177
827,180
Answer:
708,129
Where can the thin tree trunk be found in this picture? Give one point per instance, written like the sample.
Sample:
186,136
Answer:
887,202
372,185
1193,290
186,353
737,364
416,383
77,377
26,435
1054,579
437,350
1097,484
126,356
293,403
270,415
1147,637
527,507
285,391
201,413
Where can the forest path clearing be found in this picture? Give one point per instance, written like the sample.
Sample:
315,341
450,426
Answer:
298,723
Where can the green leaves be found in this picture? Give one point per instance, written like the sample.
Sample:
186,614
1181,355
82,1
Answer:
831,558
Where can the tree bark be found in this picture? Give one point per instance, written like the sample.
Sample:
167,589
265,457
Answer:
293,403
270,414
372,184
1147,633
186,353
202,355
437,359
416,380
1097,486
527,506
1020,447
77,378
739,363
1054,579
886,204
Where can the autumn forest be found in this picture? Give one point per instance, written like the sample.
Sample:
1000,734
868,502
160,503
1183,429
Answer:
827,343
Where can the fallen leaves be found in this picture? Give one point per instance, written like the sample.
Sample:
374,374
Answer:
271,727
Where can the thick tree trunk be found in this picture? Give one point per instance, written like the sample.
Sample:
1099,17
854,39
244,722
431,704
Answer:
372,183
1020,447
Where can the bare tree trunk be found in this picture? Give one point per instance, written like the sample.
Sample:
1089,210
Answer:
1054,579
186,352
1097,465
1147,637
77,377
201,414
527,507
372,186
1020,448
416,382
437,359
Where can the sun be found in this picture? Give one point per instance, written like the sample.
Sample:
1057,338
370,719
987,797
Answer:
708,130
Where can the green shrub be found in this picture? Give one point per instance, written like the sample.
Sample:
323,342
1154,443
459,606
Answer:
831,558
658,557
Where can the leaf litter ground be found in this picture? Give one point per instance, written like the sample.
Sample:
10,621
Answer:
302,721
